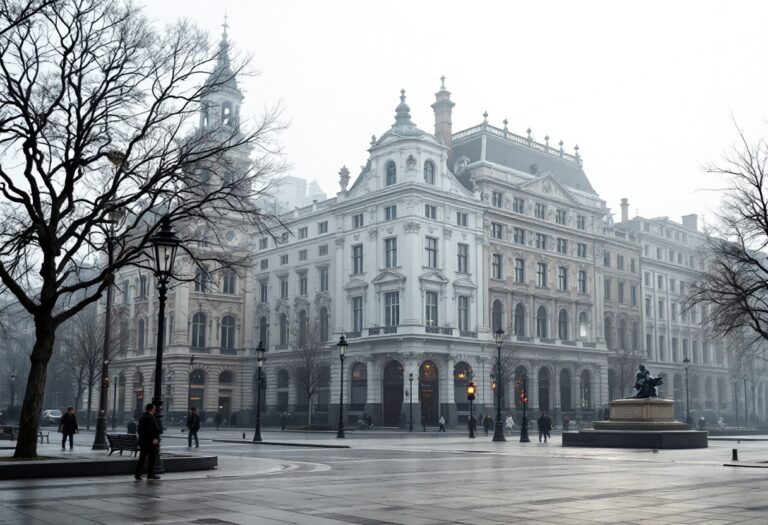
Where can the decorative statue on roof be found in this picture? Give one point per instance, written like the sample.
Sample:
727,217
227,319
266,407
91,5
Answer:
646,384
343,178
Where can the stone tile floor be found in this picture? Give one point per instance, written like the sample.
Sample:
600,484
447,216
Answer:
411,479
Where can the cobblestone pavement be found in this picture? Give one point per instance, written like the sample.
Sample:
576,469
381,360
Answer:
423,478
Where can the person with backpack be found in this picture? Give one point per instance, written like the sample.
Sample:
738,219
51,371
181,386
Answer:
193,424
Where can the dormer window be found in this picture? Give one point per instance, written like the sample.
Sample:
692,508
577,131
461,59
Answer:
429,172
226,114
391,173
205,121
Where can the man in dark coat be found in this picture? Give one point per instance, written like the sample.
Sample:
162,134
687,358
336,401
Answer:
149,439
193,424
545,425
68,428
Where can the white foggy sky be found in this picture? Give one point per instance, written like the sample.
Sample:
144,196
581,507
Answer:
648,90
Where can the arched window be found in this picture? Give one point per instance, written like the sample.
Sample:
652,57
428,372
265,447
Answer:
264,331
359,386
141,336
324,322
229,282
283,330
198,330
583,325
520,319
541,322
562,325
227,332
201,280
498,315
196,388
586,389
622,334
303,327
227,118
429,172
391,173
205,119
608,329
462,374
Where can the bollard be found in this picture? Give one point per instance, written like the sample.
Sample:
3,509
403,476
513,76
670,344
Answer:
243,435
735,454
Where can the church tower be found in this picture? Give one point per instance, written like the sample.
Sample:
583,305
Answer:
220,107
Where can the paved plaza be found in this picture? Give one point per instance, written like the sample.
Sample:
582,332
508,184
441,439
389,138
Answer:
413,479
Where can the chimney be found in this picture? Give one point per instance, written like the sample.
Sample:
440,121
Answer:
691,221
443,108
624,210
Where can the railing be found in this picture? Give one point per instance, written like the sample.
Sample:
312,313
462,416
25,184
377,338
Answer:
200,350
390,329
281,347
589,345
547,340
467,333
351,335
568,343
440,330
518,139
524,339
374,331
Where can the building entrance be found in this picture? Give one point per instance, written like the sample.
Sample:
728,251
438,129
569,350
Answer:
393,394
429,393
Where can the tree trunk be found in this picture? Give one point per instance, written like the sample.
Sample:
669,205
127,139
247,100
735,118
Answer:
29,421
309,410
90,400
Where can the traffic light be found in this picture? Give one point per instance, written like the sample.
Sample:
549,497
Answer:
471,391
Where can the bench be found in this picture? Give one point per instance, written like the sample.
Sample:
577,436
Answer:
45,435
123,442
9,432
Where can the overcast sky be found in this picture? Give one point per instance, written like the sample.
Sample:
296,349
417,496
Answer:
648,90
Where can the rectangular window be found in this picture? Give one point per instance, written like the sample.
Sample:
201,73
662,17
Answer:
620,262
632,266
672,284
680,258
581,222
671,256
541,275
323,279
390,213
633,295
390,252
498,199
562,279
283,287
647,278
541,241
357,314
284,259
357,259
518,236
431,252
497,230
264,264
673,311
562,246
518,205
540,212
496,266
463,256
357,220
661,308
302,255
391,308
430,212
622,297
582,281
461,219
658,253
303,289
463,313
561,217
662,348
519,271
607,259
431,309
660,282
649,345
322,227
323,250
581,250
303,232
263,291
263,243
607,289
648,307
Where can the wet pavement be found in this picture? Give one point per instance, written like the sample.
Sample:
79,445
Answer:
422,478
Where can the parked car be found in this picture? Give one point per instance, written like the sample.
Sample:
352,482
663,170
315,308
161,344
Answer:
51,417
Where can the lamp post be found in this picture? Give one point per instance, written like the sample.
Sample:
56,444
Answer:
524,429
342,344
100,439
260,352
471,398
189,385
165,244
498,432
686,362
746,417
13,389
410,402
169,391
114,407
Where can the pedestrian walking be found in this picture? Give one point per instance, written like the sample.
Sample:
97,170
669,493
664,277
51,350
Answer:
549,425
193,424
544,424
472,424
283,420
487,424
423,422
218,419
233,420
149,439
510,424
68,428
442,424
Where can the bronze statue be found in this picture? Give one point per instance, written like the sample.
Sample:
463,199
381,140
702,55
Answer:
646,384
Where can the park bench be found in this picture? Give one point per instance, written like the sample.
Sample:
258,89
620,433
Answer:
9,432
44,435
123,442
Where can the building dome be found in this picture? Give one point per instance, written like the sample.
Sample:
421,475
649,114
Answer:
403,127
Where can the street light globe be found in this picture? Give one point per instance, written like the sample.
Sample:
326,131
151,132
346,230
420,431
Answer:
165,243
342,344
499,336
260,353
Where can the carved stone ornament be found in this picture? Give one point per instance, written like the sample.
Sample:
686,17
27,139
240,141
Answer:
547,187
411,162
447,232
343,178
412,227
340,241
372,233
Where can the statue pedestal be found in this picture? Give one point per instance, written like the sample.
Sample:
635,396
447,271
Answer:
638,423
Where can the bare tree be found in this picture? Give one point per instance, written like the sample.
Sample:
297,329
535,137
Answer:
309,361
625,363
98,114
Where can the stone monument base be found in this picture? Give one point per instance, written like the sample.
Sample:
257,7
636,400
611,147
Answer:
638,423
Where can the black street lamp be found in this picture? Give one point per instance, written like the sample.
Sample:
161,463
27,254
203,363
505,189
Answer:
169,391
189,386
410,403
471,398
686,361
100,439
260,352
13,389
114,407
746,418
498,432
524,429
342,344
165,244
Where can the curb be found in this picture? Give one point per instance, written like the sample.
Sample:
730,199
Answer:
278,443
